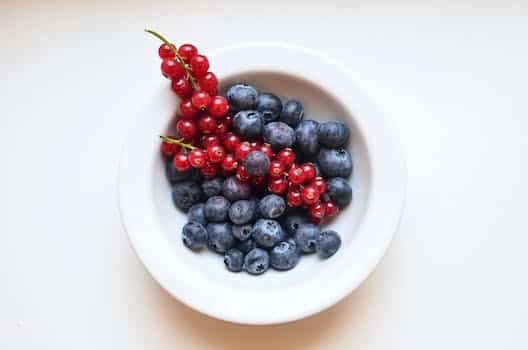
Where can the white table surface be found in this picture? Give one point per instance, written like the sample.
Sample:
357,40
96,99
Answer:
451,76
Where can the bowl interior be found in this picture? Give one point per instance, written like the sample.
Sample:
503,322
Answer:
320,105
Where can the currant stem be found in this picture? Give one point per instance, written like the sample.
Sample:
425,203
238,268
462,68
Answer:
180,59
178,142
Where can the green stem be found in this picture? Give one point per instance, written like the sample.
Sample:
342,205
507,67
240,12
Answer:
178,142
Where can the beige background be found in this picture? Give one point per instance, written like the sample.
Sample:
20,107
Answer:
450,75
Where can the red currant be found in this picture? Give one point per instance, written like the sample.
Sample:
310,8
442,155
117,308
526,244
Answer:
200,100
210,140
331,209
276,169
187,110
218,106
278,186
221,128
181,162
258,180
309,171
310,195
199,66
228,120
210,170
242,150
231,141
317,211
242,174
255,145
181,87
187,51
165,51
216,153
294,197
186,128
286,156
172,68
209,83
169,149
296,174
320,184
229,163
207,124
197,158
266,148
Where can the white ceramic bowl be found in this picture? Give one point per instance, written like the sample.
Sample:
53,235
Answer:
200,280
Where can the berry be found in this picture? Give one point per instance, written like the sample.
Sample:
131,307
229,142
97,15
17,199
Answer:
221,238
210,140
187,110
278,186
320,184
287,157
267,233
242,174
248,123
207,124
306,137
333,134
186,194
296,175
209,83
233,189
339,191
218,106
212,187
328,243
200,100
292,113
222,128
242,233
294,197
242,97
272,206
231,141
331,209
256,262
310,195
284,256
181,162
317,211
306,237
234,260
181,87
196,214
187,51
171,68
293,221
258,180
228,120
279,135
270,106
241,212
169,149
174,175
186,128
210,170
266,148
165,51
256,163
335,162
309,172
216,153
229,163
242,150
276,169
216,209
197,158
199,66
194,236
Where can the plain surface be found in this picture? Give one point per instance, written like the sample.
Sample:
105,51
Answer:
450,76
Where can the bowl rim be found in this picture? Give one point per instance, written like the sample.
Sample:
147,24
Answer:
388,187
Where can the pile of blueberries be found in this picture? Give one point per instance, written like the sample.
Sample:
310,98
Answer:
253,227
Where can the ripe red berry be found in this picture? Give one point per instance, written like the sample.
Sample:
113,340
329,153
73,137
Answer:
181,87
222,128
258,180
310,195
231,141
187,110
266,148
199,66
216,153
229,163
296,174
309,172
181,162
209,83
228,120
317,211
242,150
242,174
207,124
186,128
171,68
169,149
320,184
294,197
331,209
276,169
278,186
198,158
218,106
165,51
255,145
200,100
210,170
286,156
187,51
210,140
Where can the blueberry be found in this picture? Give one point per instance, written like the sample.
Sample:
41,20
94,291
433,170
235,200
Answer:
257,261
279,135
248,123
267,233
246,246
216,209
212,187
194,235
242,232
293,221
328,243
256,163
233,260
284,256
241,212
306,237
339,191
174,175
333,134
306,137
241,97
270,106
335,162
186,194
292,113
220,236
196,213
233,189
272,206
254,201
